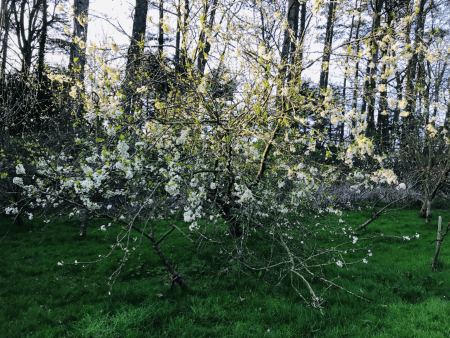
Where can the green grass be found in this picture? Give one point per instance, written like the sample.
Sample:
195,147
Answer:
38,298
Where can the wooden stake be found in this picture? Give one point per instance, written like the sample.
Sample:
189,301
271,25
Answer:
439,240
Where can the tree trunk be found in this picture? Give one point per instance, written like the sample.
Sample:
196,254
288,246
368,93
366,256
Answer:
135,53
289,44
323,84
204,46
161,30
185,32
5,21
355,87
344,86
78,50
42,41
411,71
177,39
84,223
370,83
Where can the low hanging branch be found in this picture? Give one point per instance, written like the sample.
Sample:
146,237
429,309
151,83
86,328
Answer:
378,214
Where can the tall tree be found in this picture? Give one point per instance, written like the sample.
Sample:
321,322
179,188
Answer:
371,70
4,28
323,84
77,60
135,54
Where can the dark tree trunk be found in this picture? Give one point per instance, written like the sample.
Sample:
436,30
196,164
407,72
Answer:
161,31
84,223
177,39
289,44
411,70
4,26
204,45
370,83
135,53
344,89
355,87
42,41
80,31
185,32
323,84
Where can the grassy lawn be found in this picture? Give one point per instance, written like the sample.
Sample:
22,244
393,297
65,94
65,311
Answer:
38,298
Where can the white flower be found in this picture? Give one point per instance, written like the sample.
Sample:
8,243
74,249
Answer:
123,147
382,87
402,104
109,207
76,262
13,211
406,238
365,261
60,263
261,50
339,264
103,228
213,185
18,180
73,92
341,221
141,89
30,216
20,170
355,239
201,89
128,174
417,235
193,226
401,186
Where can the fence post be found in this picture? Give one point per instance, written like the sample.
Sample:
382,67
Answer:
438,244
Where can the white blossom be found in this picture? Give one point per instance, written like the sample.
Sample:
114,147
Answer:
20,170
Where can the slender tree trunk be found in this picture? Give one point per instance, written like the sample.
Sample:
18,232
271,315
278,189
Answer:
84,223
370,83
5,17
185,33
298,55
383,111
396,117
77,60
411,71
355,87
204,46
289,43
135,52
161,31
177,39
42,41
344,89
323,84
